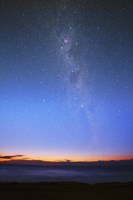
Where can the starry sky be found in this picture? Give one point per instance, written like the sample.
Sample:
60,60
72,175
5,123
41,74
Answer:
66,79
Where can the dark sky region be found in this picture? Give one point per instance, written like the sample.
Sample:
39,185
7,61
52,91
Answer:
66,79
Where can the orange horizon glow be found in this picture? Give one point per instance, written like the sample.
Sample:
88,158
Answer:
71,159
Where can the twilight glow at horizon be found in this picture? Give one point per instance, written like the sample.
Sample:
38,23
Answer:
66,76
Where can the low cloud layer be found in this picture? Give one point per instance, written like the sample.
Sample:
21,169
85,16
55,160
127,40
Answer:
10,157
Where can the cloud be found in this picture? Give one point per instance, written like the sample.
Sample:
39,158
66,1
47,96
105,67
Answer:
10,157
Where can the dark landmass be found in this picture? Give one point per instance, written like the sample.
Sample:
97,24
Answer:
66,191
68,163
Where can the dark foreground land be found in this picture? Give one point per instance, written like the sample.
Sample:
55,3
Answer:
63,191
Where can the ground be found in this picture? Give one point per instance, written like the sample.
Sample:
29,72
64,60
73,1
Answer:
63,191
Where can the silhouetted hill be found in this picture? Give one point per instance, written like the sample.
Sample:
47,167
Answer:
47,163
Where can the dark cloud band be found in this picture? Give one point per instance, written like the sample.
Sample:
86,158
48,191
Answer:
9,157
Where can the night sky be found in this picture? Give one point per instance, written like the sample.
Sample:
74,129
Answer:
66,79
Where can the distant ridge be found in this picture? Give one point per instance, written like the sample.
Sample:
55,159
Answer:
63,163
